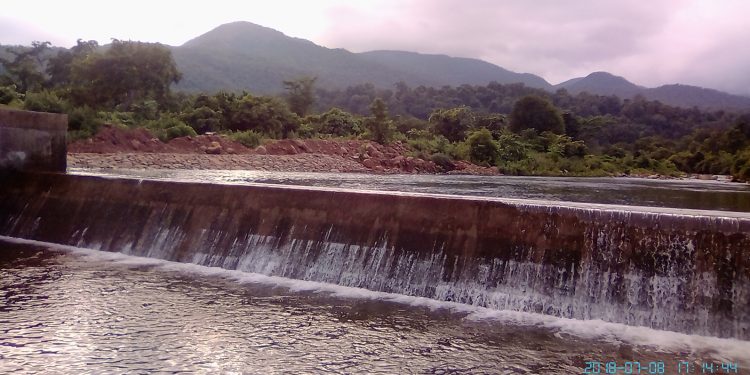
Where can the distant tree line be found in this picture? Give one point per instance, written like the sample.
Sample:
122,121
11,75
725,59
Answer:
519,129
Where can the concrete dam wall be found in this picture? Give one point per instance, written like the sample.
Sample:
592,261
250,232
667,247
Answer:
687,272
32,141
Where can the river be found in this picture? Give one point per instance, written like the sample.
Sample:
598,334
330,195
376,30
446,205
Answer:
688,193
75,310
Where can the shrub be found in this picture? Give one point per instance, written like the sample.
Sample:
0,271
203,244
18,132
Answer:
482,149
83,122
443,161
8,94
180,130
247,138
44,101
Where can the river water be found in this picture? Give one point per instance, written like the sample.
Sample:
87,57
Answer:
689,193
69,310
74,311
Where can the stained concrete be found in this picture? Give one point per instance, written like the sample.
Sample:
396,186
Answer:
32,141
677,271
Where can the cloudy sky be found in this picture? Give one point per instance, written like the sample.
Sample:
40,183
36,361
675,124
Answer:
699,42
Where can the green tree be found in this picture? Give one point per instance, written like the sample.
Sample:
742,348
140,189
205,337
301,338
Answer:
59,67
453,123
337,122
202,119
482,148
379,126
44,101
8,94
265,115
25,70
510,147
534,112
300,95
127,73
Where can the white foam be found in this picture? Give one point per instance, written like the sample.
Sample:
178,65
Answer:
660,341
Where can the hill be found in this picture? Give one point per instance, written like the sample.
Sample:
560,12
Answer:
244,56
603,83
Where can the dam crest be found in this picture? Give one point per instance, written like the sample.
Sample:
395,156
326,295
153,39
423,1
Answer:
678,270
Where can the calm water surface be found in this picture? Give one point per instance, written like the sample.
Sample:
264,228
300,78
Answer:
66,312
692,194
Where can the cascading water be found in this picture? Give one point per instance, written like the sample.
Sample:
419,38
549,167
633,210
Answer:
685,271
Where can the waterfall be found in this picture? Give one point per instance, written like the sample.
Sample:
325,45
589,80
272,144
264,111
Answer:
679,270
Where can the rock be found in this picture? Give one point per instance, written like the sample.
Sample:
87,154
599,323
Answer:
370,149
214,148
135,144
370,163
301,145
261,150
231,151
343,151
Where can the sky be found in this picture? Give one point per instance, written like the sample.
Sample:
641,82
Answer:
654,42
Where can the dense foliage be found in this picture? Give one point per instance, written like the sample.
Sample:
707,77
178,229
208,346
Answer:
519,129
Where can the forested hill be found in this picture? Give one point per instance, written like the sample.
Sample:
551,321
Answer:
603,83
244,56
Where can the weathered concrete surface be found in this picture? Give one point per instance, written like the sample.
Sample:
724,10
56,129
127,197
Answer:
32,141
678,271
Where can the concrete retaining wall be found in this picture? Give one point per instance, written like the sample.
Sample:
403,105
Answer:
679,270
32,141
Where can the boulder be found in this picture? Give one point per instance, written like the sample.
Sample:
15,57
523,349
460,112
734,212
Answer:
135,144
370,163
261,150
214,148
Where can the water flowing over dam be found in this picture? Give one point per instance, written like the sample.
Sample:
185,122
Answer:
678,270
685,271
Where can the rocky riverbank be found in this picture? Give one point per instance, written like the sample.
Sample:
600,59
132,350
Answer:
282,163
115,147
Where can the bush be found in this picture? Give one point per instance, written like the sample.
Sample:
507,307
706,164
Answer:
8,94
44,101
338,123
83,122
482,149
247,138
177,131
168,127
443,161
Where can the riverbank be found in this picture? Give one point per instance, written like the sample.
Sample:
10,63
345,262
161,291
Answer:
115,147
305,162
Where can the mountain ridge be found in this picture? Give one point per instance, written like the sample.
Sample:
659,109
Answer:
256,49
681,95
243,56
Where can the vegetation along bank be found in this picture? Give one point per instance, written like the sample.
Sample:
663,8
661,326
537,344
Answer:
509,129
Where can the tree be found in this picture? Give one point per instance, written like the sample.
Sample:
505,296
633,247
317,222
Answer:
25,69
482,149
534,112
337,122
128,72
59,67
379,125
300,94
265,115
453,123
